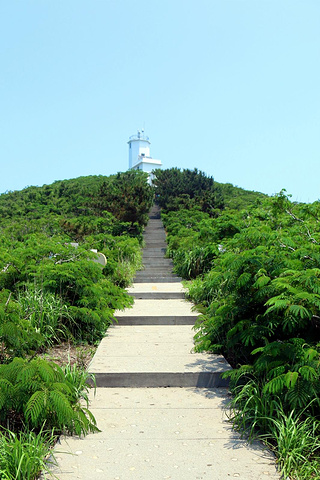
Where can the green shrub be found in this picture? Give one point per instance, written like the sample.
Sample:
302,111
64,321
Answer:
17,336
40,394
259,299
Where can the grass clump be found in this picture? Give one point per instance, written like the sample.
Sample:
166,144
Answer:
24,455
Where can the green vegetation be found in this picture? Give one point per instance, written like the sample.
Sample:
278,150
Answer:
255,278
186,189
25,455
52,289
38,393
236,198
252,263
47,281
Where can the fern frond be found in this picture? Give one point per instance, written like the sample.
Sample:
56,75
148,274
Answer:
46,371
26,373
308,373
275,385
6,390
311,354
243,279
64,388
299,310
299,396
12,369
291,379
36,407
262,281
276,304
279,369
61,406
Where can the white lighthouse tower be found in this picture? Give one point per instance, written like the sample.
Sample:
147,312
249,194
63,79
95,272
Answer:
139,154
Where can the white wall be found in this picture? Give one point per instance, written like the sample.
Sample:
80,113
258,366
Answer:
136,148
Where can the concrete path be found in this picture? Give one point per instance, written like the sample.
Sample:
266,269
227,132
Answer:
160,407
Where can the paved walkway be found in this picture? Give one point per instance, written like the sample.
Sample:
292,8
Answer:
159,406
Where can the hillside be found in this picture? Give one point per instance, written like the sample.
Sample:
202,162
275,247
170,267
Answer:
236,197
38,229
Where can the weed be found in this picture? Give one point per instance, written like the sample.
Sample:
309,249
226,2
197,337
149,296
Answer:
24,455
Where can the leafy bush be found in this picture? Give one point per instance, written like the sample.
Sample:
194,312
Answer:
51,290
17,336
38,229
88,297
259,299
40,395
176,190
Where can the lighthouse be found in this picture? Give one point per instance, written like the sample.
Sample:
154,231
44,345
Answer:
139,154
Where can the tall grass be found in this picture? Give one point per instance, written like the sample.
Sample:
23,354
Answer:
80,381
24,455
294,437
296,443
46,313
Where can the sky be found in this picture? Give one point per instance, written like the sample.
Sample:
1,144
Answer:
231,87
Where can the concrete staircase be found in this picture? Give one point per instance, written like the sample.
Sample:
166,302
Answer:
157,269
155,337
149,432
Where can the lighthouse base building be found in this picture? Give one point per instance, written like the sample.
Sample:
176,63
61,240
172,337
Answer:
139,154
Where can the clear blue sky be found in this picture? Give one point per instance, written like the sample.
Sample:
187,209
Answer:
231,87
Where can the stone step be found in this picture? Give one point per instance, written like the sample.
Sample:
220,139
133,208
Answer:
155,216
177,307
156,270
154,253
154,250
154,356
155,244
161,272
153,274
157,257
149,271
157,295
157,262
156,320
155,232
162,433
160,379
155,235
157,287
158,265
155,279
